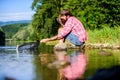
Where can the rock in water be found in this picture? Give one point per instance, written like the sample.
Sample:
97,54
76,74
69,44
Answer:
28,46
60,46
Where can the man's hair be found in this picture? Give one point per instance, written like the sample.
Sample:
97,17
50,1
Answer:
66,12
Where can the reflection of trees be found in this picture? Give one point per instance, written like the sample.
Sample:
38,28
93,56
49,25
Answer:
46,58
95,61
42,72
98,61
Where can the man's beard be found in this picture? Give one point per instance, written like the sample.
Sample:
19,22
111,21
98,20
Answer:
63,21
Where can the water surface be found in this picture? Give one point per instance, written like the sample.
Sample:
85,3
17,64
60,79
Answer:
47,64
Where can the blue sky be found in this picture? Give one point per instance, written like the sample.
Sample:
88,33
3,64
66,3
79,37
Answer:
14,10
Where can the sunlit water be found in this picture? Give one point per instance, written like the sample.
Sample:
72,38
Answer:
46,64
13,65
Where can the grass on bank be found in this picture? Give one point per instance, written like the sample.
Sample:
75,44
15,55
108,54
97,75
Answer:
105,35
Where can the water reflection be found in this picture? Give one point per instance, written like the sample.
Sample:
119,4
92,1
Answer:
47,64
42,71
70,66
46,58
14,68
77,67
104,53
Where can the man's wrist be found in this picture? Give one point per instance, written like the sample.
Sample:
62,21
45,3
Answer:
49,39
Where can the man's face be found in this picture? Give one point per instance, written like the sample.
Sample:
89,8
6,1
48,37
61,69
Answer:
64,17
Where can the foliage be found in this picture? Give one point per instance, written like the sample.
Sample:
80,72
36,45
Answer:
10,30
94,14
105,35
23,34
44,20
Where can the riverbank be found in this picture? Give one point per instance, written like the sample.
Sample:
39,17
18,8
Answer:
92,46
102,46
100,38
104,38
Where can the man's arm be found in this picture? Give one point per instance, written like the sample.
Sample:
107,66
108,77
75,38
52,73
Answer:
49,39
53,38
66,29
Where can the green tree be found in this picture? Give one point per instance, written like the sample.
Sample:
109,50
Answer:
94,14
23,34
44,20
12,29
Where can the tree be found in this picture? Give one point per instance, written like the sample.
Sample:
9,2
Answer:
44,20
94,14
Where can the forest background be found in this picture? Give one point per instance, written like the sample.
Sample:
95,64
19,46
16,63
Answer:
101,19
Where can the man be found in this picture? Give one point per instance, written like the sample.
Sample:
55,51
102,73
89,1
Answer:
72,30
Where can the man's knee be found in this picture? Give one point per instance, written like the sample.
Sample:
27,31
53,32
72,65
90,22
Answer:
59,30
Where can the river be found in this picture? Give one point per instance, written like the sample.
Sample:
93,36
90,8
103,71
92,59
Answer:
46,64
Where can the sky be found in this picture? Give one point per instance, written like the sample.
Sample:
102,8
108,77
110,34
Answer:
15,10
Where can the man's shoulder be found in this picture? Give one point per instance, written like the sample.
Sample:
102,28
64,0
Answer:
74,19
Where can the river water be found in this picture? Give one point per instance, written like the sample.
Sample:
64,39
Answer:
46,64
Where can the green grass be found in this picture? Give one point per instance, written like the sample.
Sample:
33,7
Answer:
105,35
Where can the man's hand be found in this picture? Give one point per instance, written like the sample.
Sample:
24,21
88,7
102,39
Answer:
49,39
60,21
44,40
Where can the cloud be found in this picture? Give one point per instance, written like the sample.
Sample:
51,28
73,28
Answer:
16,16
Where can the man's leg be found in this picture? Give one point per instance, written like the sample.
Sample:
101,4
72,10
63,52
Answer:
74,39
61,40
61,45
